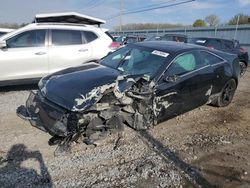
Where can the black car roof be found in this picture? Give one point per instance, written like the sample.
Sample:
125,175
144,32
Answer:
169,46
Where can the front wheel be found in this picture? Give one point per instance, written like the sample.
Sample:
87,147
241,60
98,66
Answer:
226,96
243,68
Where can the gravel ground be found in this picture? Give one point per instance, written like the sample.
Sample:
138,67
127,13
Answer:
206,147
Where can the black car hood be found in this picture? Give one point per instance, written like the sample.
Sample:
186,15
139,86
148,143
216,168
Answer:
78,86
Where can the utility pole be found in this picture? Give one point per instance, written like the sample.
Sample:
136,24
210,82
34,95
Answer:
121,11
236,28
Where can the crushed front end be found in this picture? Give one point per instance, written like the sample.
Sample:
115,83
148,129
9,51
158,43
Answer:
124,102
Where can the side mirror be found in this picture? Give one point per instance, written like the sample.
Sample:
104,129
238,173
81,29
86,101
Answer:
173,78
3,44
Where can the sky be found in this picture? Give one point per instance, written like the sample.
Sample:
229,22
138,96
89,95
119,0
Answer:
23,11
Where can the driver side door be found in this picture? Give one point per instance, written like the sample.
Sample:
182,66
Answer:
183,87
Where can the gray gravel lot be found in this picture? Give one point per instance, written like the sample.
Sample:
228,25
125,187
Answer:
207,147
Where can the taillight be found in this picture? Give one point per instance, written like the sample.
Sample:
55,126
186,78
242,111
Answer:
211,47
114,45
243,50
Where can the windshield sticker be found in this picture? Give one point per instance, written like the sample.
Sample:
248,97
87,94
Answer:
159,53
201,41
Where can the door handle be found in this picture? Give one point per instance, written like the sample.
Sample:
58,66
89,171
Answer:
83,50
40,53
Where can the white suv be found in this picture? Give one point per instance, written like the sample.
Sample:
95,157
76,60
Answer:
38,49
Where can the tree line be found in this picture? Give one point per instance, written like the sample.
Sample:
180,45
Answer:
210,20
12,25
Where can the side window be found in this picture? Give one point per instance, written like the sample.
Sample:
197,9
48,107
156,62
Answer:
209,58
90,36
216,44
35,38
66,37
182,64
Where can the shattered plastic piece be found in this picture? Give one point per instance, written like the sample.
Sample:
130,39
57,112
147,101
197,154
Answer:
208,93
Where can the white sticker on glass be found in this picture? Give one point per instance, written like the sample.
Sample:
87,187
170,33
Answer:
160,53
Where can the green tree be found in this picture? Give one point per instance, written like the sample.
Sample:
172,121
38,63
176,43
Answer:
212,20
243,19
199,23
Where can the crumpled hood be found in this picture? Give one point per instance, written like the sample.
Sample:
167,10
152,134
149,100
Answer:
66,87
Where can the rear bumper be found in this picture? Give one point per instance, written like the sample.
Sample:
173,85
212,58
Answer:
43,115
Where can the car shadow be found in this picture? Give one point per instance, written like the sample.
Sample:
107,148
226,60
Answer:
19,88
14,174
193,177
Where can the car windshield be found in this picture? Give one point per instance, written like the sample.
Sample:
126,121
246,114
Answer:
134,61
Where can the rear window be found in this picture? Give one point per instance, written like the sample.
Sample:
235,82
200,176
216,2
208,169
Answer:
209,58
214,44
131,40
90,36
228,45
197,41
66,37
173,38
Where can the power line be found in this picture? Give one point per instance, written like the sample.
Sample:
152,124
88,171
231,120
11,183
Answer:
98,4
149,9
89,4
150,5
94,4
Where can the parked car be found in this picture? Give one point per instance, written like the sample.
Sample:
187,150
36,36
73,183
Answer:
29,53
138,85
230,46
133,39
114,45
120,39
4,31
169,37
115,36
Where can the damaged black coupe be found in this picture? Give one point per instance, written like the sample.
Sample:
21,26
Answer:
138,86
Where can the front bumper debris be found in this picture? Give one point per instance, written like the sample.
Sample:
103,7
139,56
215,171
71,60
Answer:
43,116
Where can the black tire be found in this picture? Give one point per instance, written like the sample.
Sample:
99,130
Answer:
243,68
227,94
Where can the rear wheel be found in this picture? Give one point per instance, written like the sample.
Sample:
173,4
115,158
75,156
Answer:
227,94
243,68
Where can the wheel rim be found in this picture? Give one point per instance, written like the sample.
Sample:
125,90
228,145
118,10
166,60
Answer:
228,92
243,68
